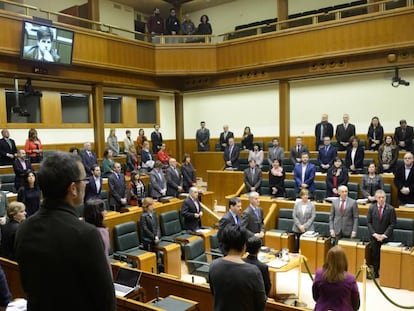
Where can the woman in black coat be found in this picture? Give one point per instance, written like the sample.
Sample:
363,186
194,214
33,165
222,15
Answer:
188,172
336,176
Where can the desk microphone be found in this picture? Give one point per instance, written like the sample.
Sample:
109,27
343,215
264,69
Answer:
157,293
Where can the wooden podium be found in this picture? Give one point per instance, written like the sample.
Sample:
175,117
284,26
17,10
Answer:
390,268
356,252
172,257
279,239
407,269
322,247
308,248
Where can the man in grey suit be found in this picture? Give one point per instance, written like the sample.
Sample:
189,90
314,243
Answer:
117,188
297,150
252,177
157,181
275,152
203,137
174,179
343,220
252,217
381,221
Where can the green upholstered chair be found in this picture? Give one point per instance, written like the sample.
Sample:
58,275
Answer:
196,258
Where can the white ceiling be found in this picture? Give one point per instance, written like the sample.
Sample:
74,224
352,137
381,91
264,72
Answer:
147,6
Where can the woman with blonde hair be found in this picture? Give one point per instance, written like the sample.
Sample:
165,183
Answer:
334,288
33,147
113,144
16,212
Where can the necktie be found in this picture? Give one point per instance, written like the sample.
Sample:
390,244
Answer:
9,142
342,208
298,148
321,138
380,210
326,149
117,176
256,211
237,220
231,149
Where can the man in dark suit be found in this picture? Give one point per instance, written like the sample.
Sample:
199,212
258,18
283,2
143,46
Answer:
253,245
156,139
231,155
232,216
297,150
192,211
157,181
304,175
21,167
403,136
343,219
381,221
344,132
252,217
203,137
94,187
88,158
174,179
323,129
117,188
54,238
326,155
252,177
404,180
224,137
8,148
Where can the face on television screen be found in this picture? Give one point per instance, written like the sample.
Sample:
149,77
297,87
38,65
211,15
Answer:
44,43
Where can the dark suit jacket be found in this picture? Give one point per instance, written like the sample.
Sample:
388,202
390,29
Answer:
149,227
225,141
309,176
295,154
346,223
342,179
252,180
385,225
156,141
88,161
234,157
327,156
189,176
358,160
157,183
203,137
247,142
227,219
264,269
188,209
173,181
4,149
20,172
251,222
75,244
117,190
90,191
407,137
379,135
343,135
8,235
146,156
400,181
327,131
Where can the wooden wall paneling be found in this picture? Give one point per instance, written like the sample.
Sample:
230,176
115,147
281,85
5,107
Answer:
284,112
98,116
129,112
205,161
10,39
223,183
179,125
51,109
3,109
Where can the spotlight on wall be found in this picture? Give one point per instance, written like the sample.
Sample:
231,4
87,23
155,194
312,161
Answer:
397,81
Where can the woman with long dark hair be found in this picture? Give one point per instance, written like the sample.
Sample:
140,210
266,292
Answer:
188,172
29,193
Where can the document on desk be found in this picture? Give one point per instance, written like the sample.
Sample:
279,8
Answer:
277,263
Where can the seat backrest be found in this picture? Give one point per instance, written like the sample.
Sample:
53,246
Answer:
285,221
290,188
195,251
170,223
264,187
353,190
387,190
125,237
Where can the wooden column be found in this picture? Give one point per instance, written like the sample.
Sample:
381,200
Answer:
282,12
179,125
94,12
98,119
284,113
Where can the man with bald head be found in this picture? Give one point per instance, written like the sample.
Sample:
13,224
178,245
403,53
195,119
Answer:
8,150
344,132
224,137
252,217
323,129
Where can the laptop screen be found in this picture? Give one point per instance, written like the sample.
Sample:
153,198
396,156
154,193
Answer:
128,277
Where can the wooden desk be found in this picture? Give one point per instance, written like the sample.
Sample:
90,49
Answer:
308,248
223,183
174,303
407,269
322,247
172,257
350,249
390,268
279,240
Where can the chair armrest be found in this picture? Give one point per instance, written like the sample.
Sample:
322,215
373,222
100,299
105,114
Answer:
214,253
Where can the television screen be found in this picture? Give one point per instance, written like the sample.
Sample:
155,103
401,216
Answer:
47,44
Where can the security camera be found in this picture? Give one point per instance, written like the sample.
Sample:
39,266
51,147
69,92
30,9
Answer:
396,81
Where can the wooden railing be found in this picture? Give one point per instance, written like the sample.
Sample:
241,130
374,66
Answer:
317,18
